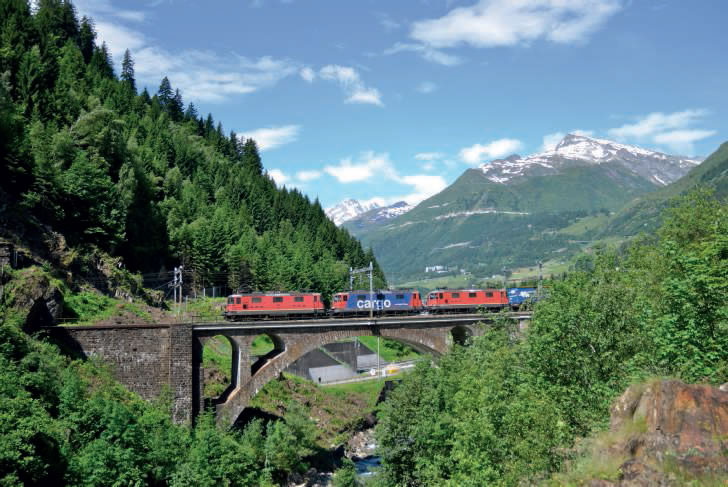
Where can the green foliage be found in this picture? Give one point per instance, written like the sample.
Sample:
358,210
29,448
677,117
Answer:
506,410
390,350
345,476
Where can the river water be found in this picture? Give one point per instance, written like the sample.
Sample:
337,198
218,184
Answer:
366,467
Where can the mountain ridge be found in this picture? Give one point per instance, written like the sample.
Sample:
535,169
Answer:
511,212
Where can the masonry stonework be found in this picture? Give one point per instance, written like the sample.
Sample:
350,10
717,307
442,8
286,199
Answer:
149,359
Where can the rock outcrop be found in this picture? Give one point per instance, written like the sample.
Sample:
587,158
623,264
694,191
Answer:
672,433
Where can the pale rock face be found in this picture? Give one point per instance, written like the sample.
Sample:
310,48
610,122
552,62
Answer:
579,150
347,210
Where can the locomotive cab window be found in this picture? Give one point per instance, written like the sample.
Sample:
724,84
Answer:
432,296
472,295
346,297
257,300
278,299
231,300
441,296
298,299
237,300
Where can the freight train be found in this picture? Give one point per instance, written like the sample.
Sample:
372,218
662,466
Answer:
261,306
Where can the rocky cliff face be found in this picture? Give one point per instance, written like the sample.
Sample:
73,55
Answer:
668,433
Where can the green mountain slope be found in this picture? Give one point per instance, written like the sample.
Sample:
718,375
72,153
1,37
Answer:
481,226
643,214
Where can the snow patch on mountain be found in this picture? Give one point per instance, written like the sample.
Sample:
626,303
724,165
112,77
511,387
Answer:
575,150
349,209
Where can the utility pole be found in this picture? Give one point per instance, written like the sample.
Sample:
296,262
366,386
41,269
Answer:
179,306
540,278
174,286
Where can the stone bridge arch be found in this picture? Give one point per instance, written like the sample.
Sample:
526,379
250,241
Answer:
434,340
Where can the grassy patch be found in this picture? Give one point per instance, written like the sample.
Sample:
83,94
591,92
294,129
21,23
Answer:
585,225
217,361
203,309
88,308
453,282
261,345
390,350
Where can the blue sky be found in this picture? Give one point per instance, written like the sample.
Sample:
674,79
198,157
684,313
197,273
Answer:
395,99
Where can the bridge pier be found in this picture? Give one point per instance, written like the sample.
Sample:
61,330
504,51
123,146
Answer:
149,358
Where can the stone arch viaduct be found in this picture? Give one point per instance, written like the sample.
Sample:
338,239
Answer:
150,358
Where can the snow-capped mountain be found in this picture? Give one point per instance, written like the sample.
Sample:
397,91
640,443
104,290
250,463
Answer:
347,209
376,217
579,150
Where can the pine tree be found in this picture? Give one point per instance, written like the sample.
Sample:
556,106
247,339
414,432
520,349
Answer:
127,71
87,38
164,94
101,61
176,106
191,112
251,158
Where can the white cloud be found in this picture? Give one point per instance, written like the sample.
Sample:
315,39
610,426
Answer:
491,23
682,141
388,23
429,156
426,52
349,79
426,87
97,8
478,153
374,167
657,122
670,130
271,137
306,176
424,186
365,168
278,176
307,74
118,38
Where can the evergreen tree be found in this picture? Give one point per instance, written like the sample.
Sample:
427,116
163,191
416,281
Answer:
127,71
87,38
191,112
101,62
251,158
165,94
176,106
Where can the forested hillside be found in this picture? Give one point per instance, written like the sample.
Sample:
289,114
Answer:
140,175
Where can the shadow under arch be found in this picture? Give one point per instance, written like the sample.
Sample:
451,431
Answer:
461,335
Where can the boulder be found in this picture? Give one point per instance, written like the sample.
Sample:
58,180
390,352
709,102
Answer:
681,425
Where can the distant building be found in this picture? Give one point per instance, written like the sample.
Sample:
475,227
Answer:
436,268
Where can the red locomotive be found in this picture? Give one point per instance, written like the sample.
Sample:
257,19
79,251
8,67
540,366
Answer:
269,305
466,300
